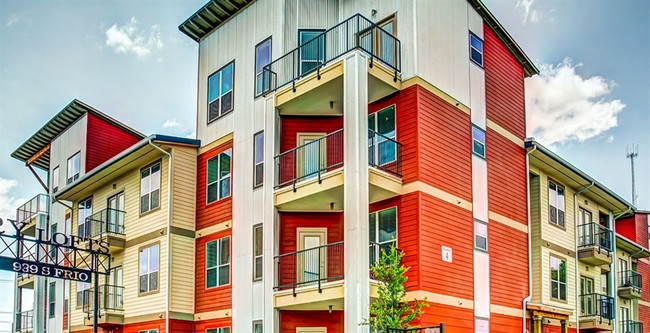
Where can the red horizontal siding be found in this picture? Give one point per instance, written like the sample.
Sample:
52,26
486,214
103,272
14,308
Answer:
149,325
220,210
216,298
290,126
181,326
203,325
644,270
444,224
290,222
506,166
504,86
644,315
505,324
457,320
508,265
104,140
290,320
444,135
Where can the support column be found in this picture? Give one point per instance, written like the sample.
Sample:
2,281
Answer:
355,157
564,326
537,324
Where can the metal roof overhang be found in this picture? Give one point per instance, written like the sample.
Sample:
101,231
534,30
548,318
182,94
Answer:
637,251
59,123
576,177
211,16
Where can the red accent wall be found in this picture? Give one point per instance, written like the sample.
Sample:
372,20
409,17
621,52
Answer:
508,265
505,324
290,222
220,210
457,320
216,298
644,270
289,320
181,326
504,86
290,126
149,325
634,228
202,326
104,140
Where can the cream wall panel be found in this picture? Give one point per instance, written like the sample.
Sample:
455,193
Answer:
184,187
72,140
481,284
546,278
552,233
182,283
475,22
135,305
479,188
477,95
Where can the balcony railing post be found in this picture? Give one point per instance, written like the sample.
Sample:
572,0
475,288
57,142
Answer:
319,270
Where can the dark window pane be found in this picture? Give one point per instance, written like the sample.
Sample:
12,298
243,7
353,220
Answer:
224,164
258,267
386,122
211,254
226,103
372,226
225,188
211,278
155,199
212,192
144,203
387,224
213,110
153,281
224,275
259,174
144,283
224,251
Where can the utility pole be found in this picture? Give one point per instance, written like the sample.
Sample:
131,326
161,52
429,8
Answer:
632,153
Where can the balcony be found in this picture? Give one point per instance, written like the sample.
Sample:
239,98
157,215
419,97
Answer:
108,225
596,312
24,322
594,244
315,74
111,305
31,212
631,326
629,284
310,176
310,279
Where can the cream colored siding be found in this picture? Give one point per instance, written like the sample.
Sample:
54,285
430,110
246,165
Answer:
150,303
546,278
182,278
535,237
184,188
551,232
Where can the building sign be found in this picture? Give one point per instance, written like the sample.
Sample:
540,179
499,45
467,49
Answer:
44,269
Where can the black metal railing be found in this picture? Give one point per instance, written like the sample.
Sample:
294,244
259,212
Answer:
384,153
111,298
429,329
630,278
37,205
310,267
594,235
597,305
24,321
357,32
631,326
310,160
104,222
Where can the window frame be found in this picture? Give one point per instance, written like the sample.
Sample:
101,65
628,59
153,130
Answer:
56,174
160,171
218,265
321,57
232,102
481,52
219,179
476,140
258,276
150,272
375,127
217,329
51,300
76,175
258,322
557,209
476,234
270,41
380,245
255,162
79,217
559,280
78,291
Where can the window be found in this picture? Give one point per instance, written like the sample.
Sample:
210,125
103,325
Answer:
149,268
383,231
262,58
66,295
257,326
258,250
217,262
149,331
587,301
218,186
218,330
55,179
74,167
478,141
83,294
220,92
480,235
381,42
150,188
51,297
556,203
84,212
558,279
258,152
381,137
312,53
476,49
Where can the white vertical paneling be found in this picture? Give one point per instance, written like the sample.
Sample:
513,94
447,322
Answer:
72,140
477,95
479,188
475,22
481,284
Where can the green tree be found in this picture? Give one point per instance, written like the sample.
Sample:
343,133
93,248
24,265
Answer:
390,309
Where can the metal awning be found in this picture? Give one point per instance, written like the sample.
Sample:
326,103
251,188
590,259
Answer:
211,16
38,143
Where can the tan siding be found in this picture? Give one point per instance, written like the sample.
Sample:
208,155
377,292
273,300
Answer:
182,283
137,305
184,188
552,233
546,278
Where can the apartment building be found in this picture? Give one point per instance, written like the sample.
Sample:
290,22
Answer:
331,129
74,142
584,269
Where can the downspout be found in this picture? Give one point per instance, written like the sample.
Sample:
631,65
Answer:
575,241
614,264
530,260
169,219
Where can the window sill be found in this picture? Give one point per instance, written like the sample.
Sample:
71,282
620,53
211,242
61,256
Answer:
208,204
558,226
210,122
150,211
216,288
148,293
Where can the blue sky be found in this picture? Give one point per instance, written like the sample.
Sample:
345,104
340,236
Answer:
128,59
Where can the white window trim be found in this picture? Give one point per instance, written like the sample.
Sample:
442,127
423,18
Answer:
218,264
256,257
257,74
555,203
151,189
219,178
255,162
471,47
150,271
376,213
71,165
474,139
558,281
55,179
220,97
476,234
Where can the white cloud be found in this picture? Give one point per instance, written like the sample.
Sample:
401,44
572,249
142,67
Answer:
610,139
563,106
532,12
171,123
128,38
8,202
13,19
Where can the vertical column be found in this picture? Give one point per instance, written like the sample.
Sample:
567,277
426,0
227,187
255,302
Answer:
355,129
270,225
537,324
